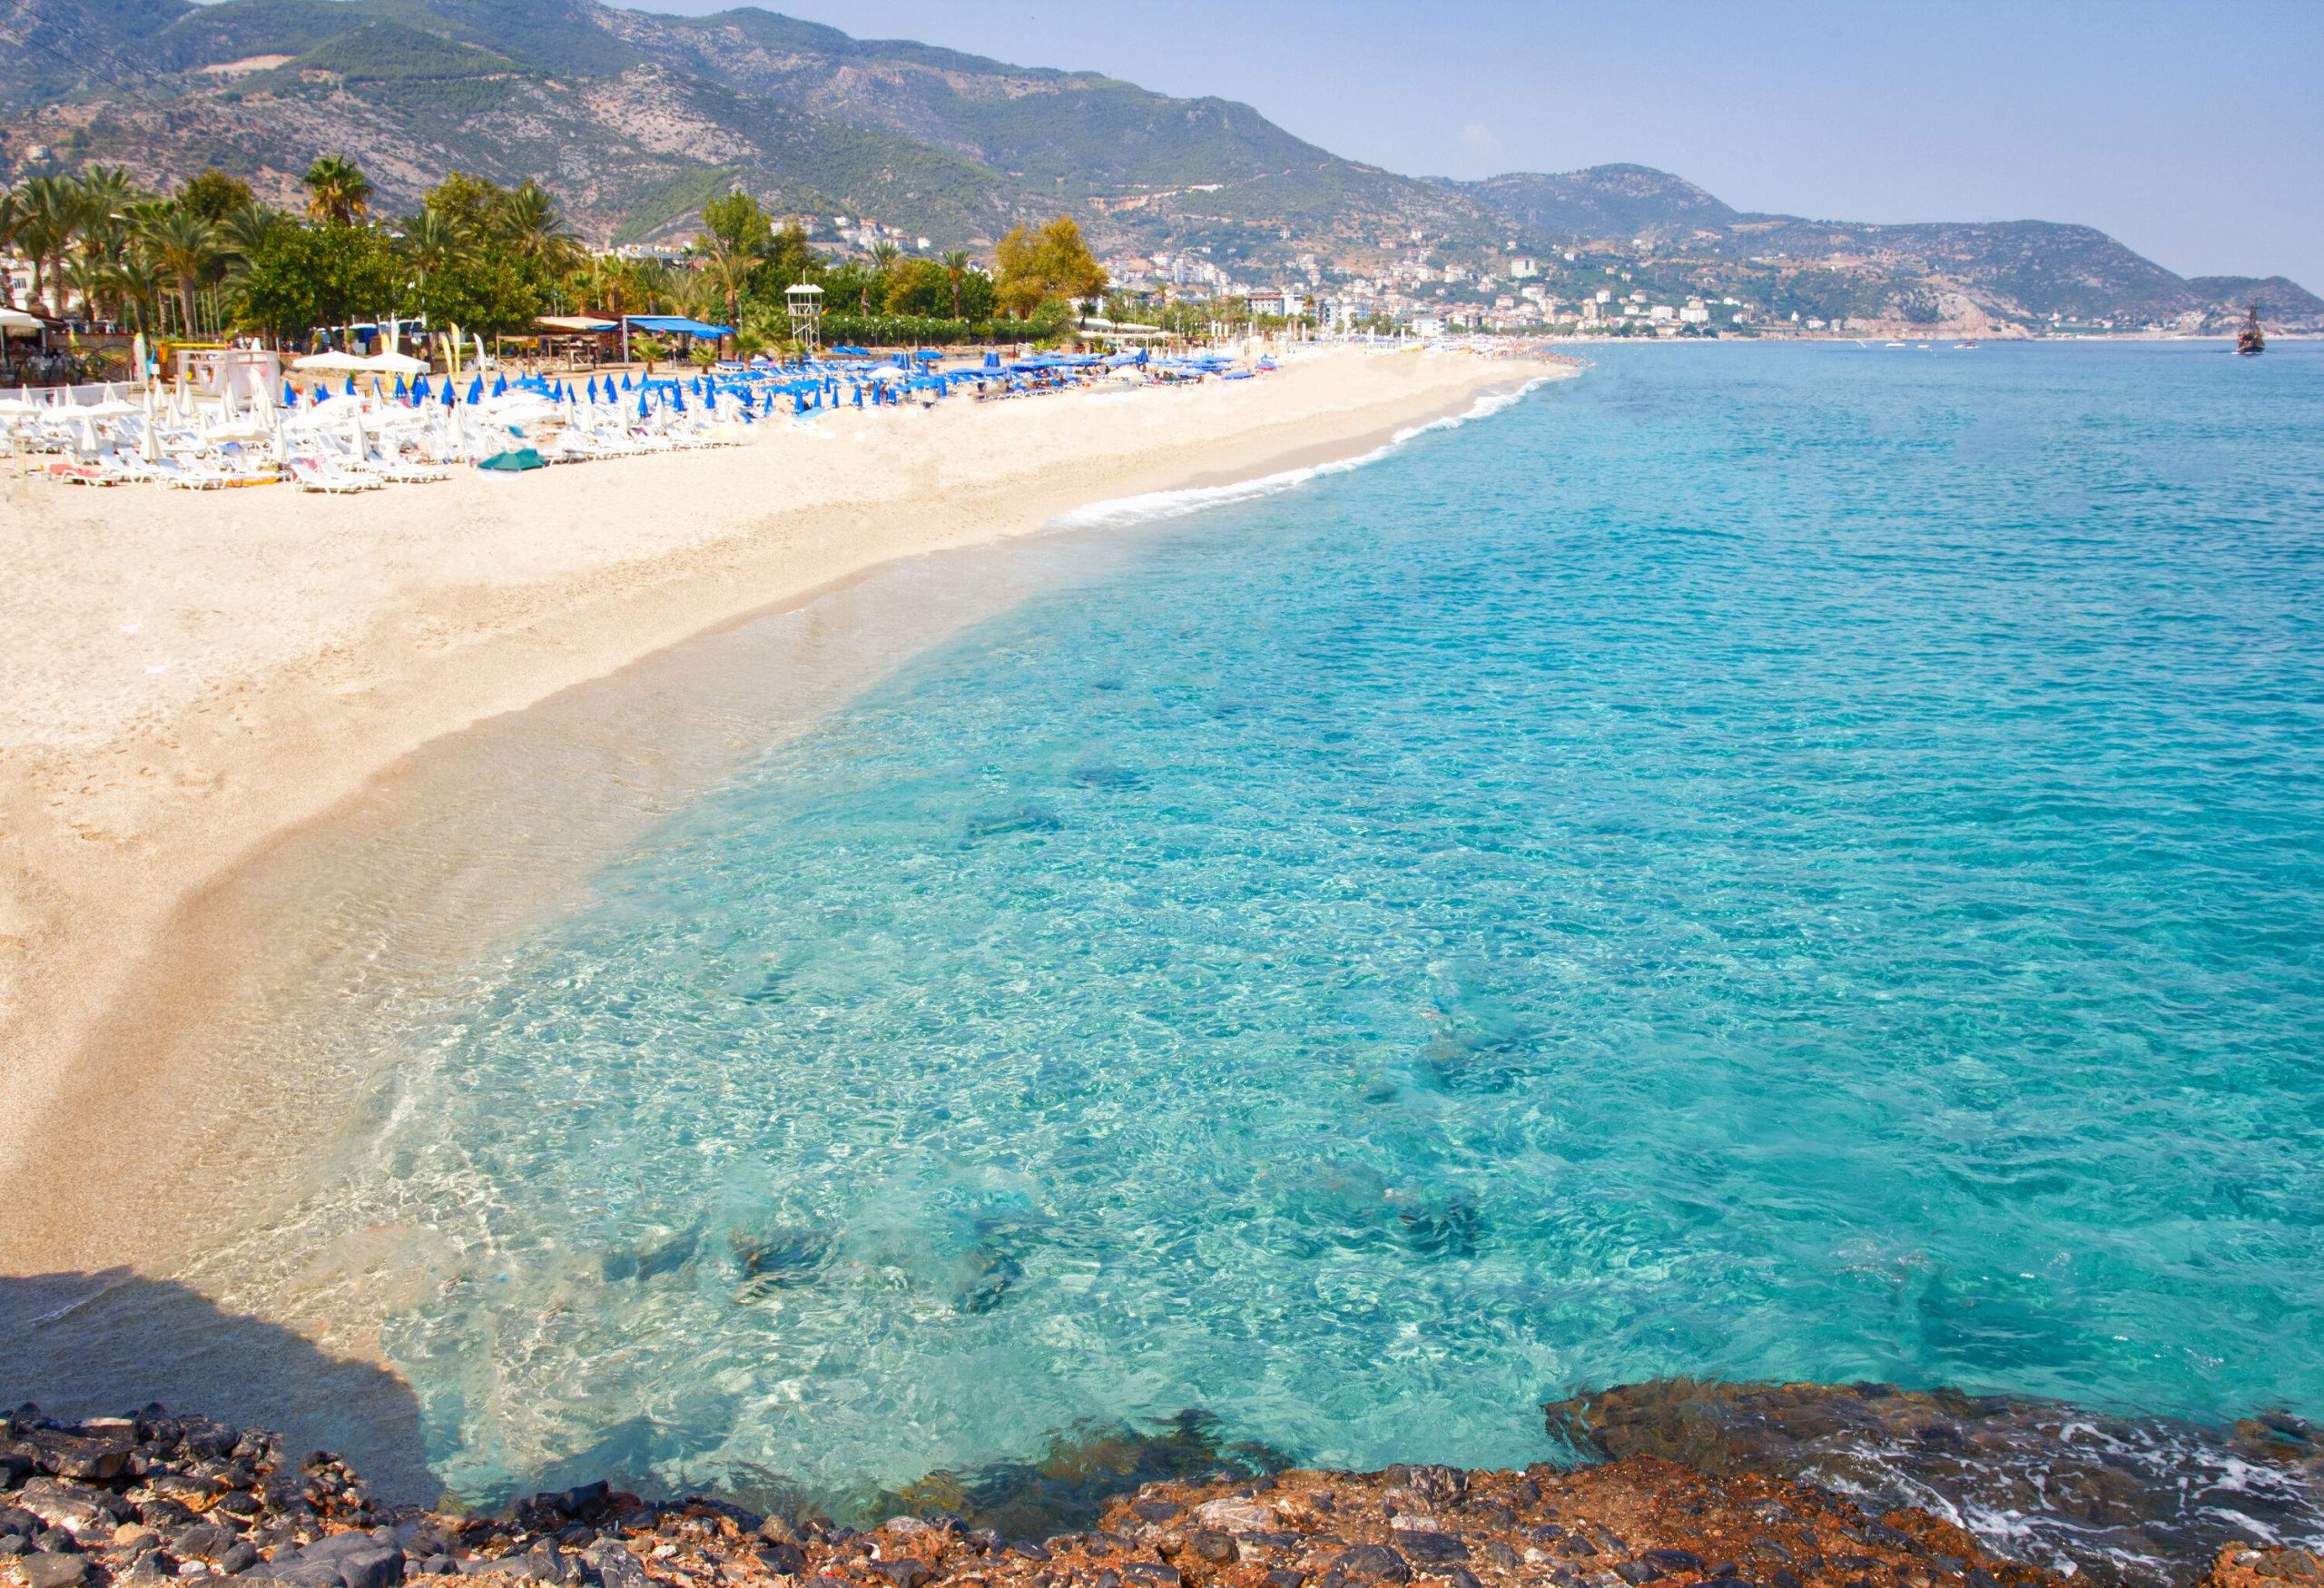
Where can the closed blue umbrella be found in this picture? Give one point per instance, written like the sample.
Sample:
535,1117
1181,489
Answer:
351,386
475,389
624,380
500,386
289,398
403,392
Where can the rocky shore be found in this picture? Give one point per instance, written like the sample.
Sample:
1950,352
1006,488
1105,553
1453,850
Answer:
152,1496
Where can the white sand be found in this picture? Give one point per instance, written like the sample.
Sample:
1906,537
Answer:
189,674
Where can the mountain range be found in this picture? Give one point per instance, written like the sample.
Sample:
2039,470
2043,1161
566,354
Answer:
633,119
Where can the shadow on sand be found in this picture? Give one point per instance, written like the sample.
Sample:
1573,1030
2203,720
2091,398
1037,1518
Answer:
100,1344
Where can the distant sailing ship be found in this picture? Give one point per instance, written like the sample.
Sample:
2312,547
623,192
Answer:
2249,343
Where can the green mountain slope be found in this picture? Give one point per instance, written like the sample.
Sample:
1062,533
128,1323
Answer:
635,119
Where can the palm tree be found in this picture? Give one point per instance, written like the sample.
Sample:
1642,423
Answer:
956,270
140,280
12,219
728,272
338,190
241,234
185,248
52,210
535,231
884,255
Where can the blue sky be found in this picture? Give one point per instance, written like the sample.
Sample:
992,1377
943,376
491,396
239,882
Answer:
2192,132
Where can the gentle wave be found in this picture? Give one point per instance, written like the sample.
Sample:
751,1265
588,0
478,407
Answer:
1174,504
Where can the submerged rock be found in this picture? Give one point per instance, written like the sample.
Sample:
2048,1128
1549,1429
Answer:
2140,1501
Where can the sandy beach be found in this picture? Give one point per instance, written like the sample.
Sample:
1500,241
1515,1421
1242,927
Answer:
195,674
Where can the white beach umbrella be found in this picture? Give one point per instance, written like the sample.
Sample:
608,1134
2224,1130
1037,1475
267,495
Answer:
393,363
332,362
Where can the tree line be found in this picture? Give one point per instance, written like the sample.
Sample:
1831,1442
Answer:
211,259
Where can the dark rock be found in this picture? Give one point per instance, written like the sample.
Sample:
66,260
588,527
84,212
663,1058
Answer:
1152,1574
15,1544
1371,1563
54,1571
1158,1510
775,1530
905,1573
1459,1576
1667,1561
68,1456
1433,1548
784,1560
615,1567
76,1511
161,1512
1494,1552
201,1542
1217,1548
13,1520
828,1582
1029,1549
1285,1577
1438,1485
239,1557
1637,1572
14,1469
544,1563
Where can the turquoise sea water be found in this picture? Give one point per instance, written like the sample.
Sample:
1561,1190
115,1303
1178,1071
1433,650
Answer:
1760,862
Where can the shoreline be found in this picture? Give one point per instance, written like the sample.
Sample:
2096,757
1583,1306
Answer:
1679,1482
106,935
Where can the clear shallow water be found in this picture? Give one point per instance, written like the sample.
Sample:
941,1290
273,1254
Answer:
1800,863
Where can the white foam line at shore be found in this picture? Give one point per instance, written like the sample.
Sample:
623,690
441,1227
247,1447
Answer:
1172,504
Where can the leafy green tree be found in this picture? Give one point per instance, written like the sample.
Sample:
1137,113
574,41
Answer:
1053,265
917,286
738,224
213,195
791,259
336,191
301,277
470,205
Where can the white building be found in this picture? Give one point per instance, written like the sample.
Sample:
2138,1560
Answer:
1524,269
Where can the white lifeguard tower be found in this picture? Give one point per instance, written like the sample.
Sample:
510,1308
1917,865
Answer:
805,301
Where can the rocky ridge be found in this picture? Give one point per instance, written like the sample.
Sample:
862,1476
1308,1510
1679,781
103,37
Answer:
152,1497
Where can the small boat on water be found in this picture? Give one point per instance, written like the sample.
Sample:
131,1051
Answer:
2249,343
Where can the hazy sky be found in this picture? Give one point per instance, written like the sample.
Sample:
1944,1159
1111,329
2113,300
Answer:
2194,132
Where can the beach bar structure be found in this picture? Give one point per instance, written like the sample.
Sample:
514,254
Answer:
667,325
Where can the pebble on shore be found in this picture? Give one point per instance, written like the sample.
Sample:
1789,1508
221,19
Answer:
153,1498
